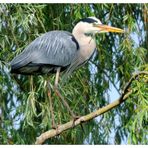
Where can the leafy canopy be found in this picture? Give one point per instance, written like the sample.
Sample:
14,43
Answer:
24,105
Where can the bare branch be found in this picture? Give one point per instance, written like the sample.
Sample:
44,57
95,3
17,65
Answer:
125,94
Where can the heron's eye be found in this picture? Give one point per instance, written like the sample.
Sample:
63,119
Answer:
95,24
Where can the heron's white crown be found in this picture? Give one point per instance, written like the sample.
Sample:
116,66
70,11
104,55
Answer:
86,26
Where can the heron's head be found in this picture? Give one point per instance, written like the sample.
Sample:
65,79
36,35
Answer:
92,25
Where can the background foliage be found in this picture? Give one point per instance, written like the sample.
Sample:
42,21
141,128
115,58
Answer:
24,105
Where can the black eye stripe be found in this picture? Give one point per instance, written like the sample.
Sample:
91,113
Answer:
88,20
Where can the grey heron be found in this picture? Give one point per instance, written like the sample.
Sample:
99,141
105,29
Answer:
56,51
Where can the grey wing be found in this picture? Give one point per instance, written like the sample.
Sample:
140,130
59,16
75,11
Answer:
55,48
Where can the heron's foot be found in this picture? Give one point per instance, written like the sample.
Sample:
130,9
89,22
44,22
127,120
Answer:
74,119
53,125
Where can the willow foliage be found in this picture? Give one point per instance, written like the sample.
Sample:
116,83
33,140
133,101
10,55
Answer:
24,104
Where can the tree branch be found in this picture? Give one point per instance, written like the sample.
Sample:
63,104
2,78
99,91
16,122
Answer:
125,94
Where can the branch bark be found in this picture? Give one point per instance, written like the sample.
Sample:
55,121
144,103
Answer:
125,94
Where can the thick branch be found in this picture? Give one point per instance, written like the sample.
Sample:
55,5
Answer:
125,94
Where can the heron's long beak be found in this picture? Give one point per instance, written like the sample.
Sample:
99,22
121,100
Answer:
106,28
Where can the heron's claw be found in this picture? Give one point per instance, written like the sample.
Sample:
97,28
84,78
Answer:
74,119
54,126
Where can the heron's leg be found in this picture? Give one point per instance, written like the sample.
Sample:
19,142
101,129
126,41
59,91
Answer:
51,106
57,78
60,96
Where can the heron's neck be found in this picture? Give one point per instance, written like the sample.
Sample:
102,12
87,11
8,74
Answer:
87,43
82,37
